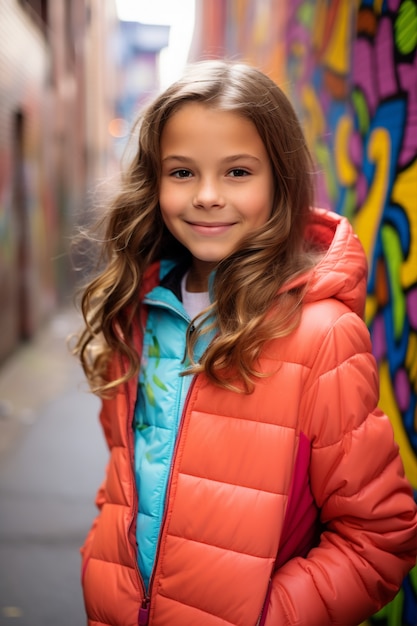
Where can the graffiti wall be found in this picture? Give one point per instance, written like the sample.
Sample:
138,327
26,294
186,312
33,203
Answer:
352,68
27,226
51,81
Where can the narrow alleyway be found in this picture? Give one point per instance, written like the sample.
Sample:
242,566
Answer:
52,458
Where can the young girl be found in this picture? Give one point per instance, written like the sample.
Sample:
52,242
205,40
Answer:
251,478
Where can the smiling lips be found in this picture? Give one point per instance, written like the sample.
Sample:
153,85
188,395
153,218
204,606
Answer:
217,228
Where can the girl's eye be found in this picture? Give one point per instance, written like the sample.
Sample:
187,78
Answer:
238,172
181,174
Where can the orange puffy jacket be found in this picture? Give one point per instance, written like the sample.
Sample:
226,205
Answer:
286,506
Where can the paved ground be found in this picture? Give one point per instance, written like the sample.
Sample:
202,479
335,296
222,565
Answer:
52,458
36,373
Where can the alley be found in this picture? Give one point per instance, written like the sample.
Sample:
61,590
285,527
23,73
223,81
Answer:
52,457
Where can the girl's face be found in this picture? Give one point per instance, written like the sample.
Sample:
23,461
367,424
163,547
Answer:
216,183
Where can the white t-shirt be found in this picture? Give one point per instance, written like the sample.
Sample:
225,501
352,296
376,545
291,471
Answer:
194,302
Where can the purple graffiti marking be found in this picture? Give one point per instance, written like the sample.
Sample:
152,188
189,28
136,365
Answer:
379,345
384,48
356,148
361,188
393,5
363,73
412,307
402,389
408,81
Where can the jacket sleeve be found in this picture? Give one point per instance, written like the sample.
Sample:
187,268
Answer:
369,538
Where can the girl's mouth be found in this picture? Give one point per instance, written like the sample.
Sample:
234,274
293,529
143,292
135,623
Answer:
206,228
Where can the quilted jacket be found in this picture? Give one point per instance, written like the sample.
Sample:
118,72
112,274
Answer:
287,506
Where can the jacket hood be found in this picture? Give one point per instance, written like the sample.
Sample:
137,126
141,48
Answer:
342,271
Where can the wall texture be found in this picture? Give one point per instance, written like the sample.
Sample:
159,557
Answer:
27,212
350,68
57,96
353,75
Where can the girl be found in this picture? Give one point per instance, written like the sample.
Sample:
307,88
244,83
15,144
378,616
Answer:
251,479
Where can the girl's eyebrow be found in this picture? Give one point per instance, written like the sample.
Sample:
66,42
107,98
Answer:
238,157
176,157
228,159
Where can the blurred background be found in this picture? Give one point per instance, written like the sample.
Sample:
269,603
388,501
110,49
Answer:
73,74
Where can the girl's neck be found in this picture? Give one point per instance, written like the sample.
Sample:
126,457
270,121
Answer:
196,284
198,275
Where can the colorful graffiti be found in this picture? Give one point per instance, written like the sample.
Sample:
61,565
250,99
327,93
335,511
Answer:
353,74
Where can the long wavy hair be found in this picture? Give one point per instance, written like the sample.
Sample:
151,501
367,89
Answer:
251,302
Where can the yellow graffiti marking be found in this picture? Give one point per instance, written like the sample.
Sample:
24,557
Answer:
371,308
404,193
393,255
389,405
346,170
378,6
368,219
315,122
337,53
318,28
411,360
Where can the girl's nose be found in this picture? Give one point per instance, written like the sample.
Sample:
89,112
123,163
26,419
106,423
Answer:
208,195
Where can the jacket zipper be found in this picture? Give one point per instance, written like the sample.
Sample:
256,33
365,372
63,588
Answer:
143,615
262,616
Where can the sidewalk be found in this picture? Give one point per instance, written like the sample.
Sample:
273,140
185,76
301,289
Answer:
52,461
35,374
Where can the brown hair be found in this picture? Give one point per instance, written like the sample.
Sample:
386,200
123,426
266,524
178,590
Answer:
249,282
